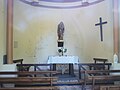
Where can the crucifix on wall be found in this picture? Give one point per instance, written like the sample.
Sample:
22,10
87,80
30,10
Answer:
101,27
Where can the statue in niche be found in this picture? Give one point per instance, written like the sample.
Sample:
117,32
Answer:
60,31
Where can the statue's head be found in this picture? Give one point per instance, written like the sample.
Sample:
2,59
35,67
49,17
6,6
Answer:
61,25
61,22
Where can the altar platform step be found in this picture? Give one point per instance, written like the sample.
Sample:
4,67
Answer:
70,83
66,75
66,79
75,87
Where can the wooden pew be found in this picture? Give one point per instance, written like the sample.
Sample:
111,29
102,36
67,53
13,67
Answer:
30,88
26,67
91,66
100,60
28,83
108,76
110,87
18,61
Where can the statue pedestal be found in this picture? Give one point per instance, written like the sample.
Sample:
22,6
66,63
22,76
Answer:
60,43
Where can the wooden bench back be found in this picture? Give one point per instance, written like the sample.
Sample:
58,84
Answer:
28,78
36,67
100,75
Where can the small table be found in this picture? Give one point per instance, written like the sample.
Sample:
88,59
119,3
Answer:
64,60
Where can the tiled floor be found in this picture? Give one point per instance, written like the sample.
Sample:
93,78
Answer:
76,87
79,87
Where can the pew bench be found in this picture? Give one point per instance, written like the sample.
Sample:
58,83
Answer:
103,78
24,81
110,87
92,66
30,88
94,76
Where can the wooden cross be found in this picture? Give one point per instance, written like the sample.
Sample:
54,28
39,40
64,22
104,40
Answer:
101,27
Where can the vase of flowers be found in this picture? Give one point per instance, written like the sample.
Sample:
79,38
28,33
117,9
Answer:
61,51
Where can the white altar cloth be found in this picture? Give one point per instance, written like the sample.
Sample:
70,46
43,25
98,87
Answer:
63,59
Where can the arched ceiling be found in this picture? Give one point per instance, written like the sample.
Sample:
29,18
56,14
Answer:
61,4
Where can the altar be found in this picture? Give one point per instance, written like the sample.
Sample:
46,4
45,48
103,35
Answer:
64,60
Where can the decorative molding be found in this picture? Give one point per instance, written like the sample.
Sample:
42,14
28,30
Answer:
61,4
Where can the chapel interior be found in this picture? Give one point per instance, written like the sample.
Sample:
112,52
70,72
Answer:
59,45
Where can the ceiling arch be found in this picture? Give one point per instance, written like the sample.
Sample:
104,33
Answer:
61,4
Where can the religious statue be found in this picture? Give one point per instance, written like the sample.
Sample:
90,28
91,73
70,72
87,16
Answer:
60,31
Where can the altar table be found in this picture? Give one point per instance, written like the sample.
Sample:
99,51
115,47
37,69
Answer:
64,60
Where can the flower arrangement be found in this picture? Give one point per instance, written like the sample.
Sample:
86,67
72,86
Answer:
62,51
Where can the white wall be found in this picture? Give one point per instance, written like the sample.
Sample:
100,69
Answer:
35,32
2,30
